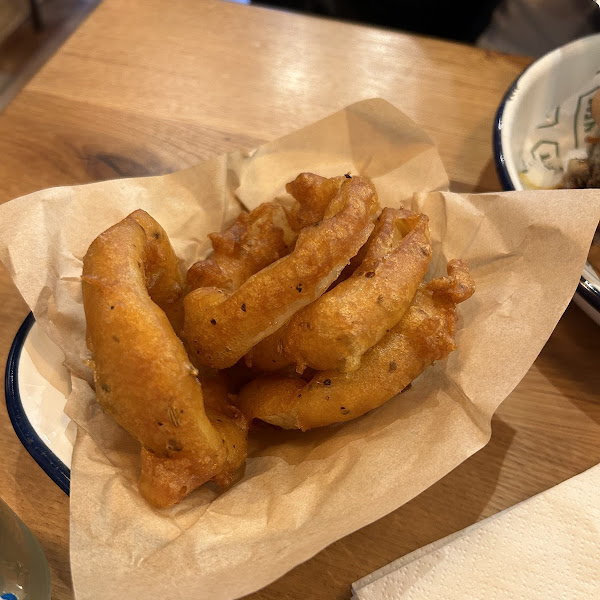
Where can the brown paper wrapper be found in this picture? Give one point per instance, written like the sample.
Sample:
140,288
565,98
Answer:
301,491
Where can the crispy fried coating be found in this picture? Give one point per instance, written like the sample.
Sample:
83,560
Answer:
254,241
144,379
220,328
264,235
313,194
164,480
424,335
332,305
337,329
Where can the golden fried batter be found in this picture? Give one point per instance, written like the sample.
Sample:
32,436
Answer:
333,306
337,329
259,238
220,328
143,376
423,336
255,240
313,194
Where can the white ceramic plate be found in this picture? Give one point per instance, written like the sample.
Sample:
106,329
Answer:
36,387
545,84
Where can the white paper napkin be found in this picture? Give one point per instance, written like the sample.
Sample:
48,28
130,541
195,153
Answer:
545,547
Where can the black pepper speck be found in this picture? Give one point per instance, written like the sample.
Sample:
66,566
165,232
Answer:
174,445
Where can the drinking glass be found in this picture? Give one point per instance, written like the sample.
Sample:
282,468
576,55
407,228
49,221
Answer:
24,573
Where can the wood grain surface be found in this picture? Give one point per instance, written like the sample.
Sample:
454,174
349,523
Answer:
27,49
151,86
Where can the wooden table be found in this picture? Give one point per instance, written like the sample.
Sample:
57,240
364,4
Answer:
151,86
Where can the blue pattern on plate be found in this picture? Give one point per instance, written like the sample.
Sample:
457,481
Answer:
585,290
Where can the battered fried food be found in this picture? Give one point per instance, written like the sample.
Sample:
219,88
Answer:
337,329
424,335
312,288
255,240
143,376
313,194
266,234
220,328
165,481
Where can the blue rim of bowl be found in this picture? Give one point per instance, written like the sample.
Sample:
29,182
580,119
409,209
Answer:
586,290
43,456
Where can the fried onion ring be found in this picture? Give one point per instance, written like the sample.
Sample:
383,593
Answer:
313,194
264,235
337,329
424,335
143,377
254,241
220,328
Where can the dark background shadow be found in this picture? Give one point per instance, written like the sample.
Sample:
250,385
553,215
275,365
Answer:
459,21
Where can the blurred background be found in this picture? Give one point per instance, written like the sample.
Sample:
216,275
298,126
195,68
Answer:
32,30
528,27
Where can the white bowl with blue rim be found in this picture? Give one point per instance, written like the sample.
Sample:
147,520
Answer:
37,385
543,86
